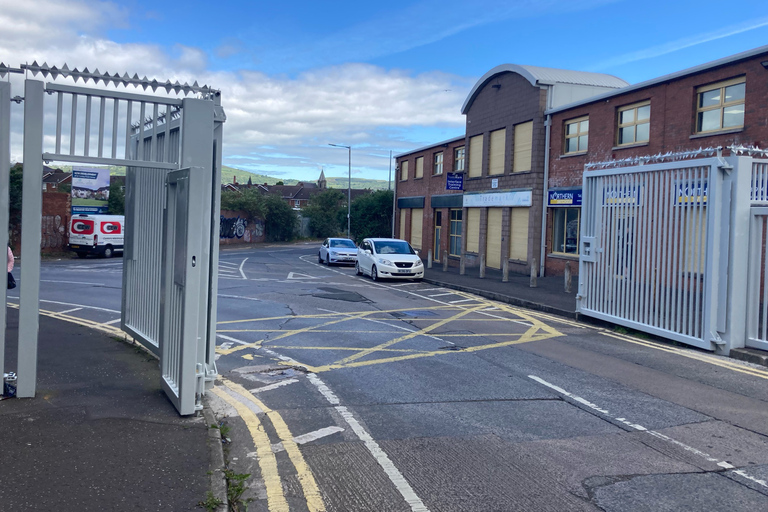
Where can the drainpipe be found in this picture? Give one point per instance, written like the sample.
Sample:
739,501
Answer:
548,126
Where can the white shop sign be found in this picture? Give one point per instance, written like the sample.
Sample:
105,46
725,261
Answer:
513,198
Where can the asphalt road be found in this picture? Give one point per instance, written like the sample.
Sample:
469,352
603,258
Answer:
348,395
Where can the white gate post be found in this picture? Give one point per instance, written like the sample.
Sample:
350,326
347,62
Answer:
31,217
5,171
197,151
737,268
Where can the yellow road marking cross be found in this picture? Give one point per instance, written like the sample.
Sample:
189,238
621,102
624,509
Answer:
494,326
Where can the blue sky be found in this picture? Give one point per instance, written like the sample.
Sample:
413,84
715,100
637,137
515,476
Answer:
380,76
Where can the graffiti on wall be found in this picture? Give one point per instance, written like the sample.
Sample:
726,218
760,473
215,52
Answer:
53,233
233,227
240,230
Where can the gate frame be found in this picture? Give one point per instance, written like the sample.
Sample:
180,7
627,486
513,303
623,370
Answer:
199,151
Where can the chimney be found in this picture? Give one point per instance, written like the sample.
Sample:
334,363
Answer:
234,180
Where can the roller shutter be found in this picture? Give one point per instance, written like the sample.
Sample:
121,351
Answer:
420,167
493,239
523,147
417,219
402,224
518,234
496,152
473,230
404,170
476,156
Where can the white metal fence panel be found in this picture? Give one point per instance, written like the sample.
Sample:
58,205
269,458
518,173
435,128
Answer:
759,184
182,373
645,258
757,300
5,172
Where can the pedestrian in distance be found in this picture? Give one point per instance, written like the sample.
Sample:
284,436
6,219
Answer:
11,280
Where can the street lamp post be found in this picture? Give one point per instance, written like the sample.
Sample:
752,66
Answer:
349,184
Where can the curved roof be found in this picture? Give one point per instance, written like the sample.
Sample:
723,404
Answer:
545,76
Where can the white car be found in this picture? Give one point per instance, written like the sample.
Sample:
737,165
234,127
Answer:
389,258
337,250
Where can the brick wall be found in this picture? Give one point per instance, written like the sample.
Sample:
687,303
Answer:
57,208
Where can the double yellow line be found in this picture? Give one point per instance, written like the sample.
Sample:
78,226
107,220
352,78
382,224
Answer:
234,395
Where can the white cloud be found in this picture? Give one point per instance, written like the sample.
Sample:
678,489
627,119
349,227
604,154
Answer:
347,104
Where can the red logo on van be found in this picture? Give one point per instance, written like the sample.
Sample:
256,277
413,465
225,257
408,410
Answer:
82,227
111,228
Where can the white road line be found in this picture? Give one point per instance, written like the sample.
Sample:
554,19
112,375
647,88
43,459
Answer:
227,263
79,305
383,322
402,284
462,300
402,485
70,282
274,386
229,338
241,269
111,322
309,437
240,297
71,311
442,294
659,435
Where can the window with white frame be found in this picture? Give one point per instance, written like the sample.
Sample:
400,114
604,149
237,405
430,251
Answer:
634,124
454,244
720,106
565,230
437,164
576,135
458,159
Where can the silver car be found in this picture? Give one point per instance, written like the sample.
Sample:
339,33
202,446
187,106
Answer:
336,251
389,258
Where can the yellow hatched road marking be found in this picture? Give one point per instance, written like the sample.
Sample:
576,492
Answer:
308,484
276,502
336,315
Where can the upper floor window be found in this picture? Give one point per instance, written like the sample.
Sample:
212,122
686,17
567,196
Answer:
437,167
720,106
419,167
404,170
634,123
458,159
576,135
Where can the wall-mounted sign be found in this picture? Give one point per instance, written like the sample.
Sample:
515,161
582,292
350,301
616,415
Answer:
564,197
90,190
691,193
495,183
454,181
511,198
622,196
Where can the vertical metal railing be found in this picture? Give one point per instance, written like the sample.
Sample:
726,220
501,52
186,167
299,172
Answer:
5,171
651,228
757,300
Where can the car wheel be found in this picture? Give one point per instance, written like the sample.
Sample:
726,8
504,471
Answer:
374,273
108,252
81,255
328,260
357,269
319,258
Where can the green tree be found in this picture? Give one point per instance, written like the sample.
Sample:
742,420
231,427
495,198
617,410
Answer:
372,215
116,201
250,201
280,219
14,196
325,212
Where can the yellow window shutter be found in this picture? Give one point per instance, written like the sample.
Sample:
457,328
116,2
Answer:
420,167
402,224
473,230
417,219
404,170
523,147
518,234
476,156
496,152
493,239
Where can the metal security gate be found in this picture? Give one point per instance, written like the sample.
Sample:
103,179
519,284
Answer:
648,249
757,301
171,249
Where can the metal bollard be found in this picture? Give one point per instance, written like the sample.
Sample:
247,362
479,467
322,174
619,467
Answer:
568,277
482,266
505,272
462,266
534,284
429,258
445,262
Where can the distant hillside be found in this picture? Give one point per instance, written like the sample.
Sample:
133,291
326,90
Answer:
229,174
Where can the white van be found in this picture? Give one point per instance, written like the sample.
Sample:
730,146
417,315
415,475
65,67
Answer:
101,235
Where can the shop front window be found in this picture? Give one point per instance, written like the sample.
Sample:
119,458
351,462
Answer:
565,230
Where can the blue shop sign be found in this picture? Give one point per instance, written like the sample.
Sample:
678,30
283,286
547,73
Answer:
454,181
564,197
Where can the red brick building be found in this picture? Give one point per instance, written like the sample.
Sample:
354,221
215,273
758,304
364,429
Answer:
495,220
718,104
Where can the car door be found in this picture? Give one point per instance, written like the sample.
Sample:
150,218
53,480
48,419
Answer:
324,250
365,256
